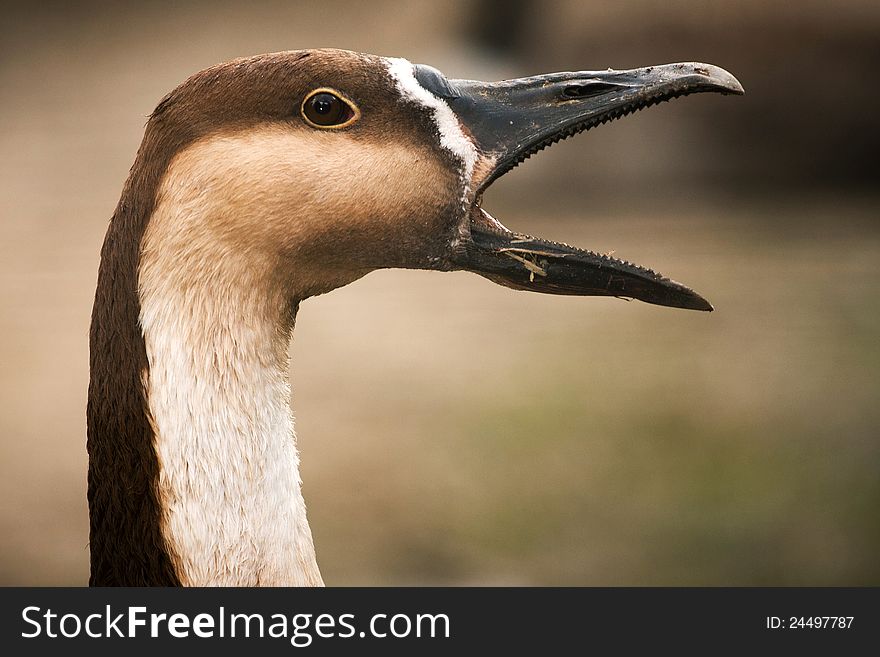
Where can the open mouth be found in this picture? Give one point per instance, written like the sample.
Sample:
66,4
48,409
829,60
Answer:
514,119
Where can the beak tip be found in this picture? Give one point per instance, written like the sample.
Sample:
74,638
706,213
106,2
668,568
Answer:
702,304
723,80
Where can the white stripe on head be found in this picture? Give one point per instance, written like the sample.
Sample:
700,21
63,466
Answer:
452,138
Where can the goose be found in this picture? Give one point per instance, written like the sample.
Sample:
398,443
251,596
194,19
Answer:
262,182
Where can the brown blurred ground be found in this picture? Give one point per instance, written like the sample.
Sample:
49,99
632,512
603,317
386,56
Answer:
456,432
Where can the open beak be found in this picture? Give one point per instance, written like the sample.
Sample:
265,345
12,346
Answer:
513,119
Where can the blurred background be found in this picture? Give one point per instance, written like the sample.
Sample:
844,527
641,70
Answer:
456,432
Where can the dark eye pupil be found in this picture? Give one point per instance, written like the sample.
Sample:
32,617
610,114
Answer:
323,103
326,109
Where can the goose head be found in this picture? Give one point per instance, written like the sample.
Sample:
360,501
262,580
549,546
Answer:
325,165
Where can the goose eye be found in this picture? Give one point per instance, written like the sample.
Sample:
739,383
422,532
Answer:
324,108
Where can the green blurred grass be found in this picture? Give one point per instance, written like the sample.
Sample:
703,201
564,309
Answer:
574,441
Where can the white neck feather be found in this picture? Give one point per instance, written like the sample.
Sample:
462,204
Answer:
218,394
